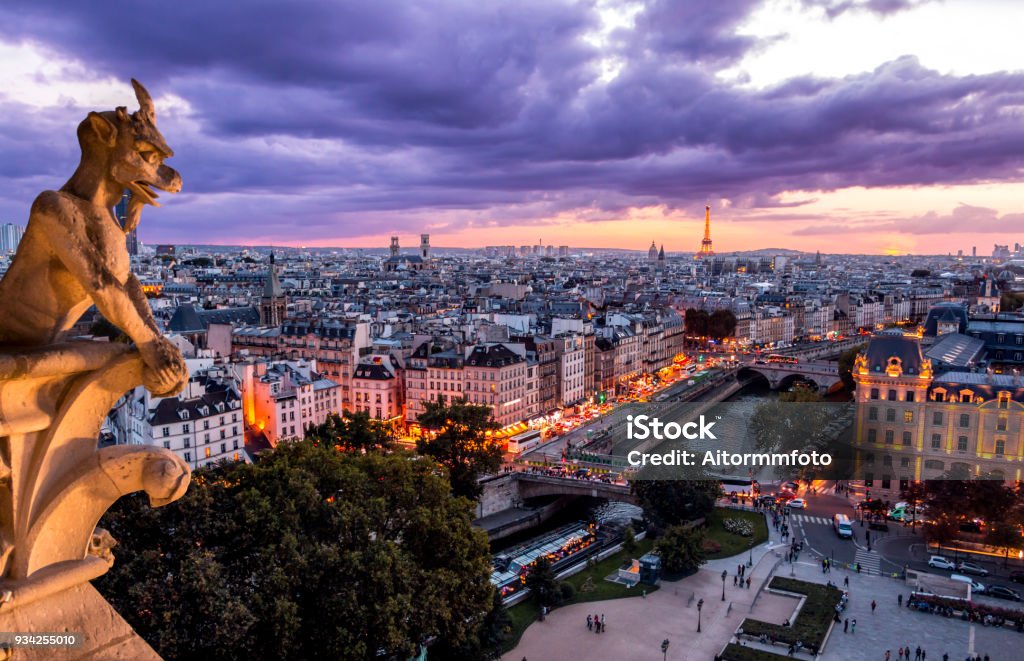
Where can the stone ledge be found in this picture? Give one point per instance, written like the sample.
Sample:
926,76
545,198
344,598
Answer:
80,609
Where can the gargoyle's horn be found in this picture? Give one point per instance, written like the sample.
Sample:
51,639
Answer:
145,101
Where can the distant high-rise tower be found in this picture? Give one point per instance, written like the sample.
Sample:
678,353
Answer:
394,246
121,213
10,237
705,245
273,303
424,247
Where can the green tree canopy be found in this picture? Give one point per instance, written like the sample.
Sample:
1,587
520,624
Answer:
681,549
353,432
459,442
846,360
671,502
309,554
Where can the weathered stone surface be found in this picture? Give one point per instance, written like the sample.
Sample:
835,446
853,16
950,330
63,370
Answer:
55,483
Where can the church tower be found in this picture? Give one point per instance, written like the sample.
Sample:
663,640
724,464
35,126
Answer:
273,303
394,247
652,253
425,247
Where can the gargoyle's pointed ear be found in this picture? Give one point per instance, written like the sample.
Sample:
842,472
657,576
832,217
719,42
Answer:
145,101
103,128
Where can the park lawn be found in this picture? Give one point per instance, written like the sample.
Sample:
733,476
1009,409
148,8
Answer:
525,612
733,544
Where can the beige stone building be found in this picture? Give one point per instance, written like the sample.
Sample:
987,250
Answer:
913,424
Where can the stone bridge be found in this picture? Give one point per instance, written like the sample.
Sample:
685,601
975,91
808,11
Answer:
781,375
509,490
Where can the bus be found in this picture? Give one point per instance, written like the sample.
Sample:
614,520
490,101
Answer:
524,442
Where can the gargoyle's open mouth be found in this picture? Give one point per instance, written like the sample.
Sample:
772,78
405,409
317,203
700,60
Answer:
144,191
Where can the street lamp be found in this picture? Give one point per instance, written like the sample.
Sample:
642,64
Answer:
750,560
700,605
725,574
664,649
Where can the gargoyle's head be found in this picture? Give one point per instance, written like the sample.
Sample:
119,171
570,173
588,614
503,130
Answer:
132,148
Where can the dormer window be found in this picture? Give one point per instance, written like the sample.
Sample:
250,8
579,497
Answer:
183,414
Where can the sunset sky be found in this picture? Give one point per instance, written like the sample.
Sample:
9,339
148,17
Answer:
835,125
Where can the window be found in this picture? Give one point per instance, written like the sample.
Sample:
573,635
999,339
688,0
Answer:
892,396
908,416
1000,447
910,395
961,444
937,418
869,480
887,460
167,445
167,431
188,443
223,448
1001,424
188,456
886,481
934,464
207,453
889,436
869,458
185,428
874,393
904,462
906,438
890,415
936,441
904,483
965,420
873,413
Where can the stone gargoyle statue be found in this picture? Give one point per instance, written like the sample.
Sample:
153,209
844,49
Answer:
55,483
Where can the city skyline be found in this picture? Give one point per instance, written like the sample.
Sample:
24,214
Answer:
614,121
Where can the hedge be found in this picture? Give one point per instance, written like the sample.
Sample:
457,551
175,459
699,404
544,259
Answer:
734,652
811,624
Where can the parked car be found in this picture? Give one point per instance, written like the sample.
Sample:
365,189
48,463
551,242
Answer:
797,504
1003,592
972,568
976,587
1017,576
941,562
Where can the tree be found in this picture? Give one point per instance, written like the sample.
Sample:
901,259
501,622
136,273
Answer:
913,496
461,443
681,549
671,502
846,361
920,273
792,422
721,324
309,554
352,431
542,583
696,323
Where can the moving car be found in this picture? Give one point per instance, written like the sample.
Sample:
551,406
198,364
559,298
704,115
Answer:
972,568
1017,576
941,562
1003,592
796,503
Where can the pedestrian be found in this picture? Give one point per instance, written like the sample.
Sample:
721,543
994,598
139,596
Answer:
735,579
899,654
846,582
873,604
590,622
887,654
917,653
899,599
853,626
945,656
924,654
748,583
846,625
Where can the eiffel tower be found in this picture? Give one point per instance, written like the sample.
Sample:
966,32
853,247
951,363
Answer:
705,245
